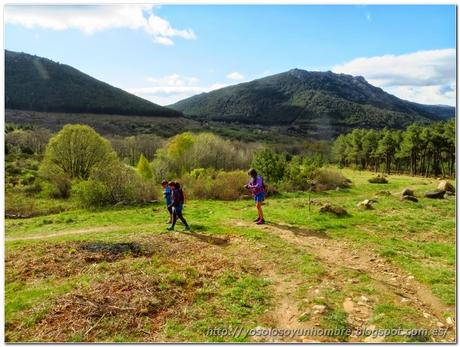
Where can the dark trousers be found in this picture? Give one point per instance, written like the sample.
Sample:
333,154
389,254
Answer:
177,214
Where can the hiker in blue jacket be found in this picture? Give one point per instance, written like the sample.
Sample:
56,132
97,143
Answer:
167,192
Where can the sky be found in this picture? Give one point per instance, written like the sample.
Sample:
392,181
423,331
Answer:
165,53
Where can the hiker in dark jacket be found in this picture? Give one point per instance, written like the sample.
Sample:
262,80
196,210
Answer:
257,187
177,204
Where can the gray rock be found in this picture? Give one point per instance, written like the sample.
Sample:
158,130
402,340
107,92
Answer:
383,193
446,186
338,211
409,198
408,192
378,179
435,194
366,204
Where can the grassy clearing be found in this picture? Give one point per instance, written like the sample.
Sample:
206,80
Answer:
222,275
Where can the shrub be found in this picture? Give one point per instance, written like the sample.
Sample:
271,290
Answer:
114,184
330,179
75,151
143,168
33,189
270,165
212,184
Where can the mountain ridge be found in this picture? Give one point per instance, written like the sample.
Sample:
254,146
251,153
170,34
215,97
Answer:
298,97
36,83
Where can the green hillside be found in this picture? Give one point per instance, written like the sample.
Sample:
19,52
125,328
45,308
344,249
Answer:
310,100
40,84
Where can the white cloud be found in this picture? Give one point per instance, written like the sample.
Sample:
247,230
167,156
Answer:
236,76
92,18
174,80
424,76
166,90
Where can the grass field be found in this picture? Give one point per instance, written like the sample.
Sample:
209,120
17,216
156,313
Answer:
116,275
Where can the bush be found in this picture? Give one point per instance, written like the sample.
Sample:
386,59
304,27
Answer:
75,151
33,189
270,165
300,172
117,183
58,187
330,179
212,184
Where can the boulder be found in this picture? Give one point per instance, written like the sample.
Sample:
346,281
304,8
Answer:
366,204
378,179
408,198
383,193
435,194
408,192
318,309
338,211
446,186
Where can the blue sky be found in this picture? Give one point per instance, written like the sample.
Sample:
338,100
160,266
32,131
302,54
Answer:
165,53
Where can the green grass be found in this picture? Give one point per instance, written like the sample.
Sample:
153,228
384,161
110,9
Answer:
221,282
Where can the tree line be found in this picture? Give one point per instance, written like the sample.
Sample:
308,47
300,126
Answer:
418,150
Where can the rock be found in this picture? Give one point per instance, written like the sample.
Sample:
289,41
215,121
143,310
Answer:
363,298
426,315
410,277
318,309
435,194
337,189
378,179
366,204
446,186
383,193
408,198
374,339
405,300
440,325
348,305
449,321
408,191
338,211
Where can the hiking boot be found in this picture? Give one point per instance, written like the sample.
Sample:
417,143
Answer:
261,221
256,220
170,228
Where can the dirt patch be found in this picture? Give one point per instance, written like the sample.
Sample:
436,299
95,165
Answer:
337,254
126,303
124,297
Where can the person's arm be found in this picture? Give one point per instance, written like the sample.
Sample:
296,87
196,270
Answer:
172,200
258,183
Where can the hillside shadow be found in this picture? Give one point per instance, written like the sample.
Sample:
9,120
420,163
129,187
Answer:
206,238
299,231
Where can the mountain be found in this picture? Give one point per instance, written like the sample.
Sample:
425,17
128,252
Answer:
321,103
38,84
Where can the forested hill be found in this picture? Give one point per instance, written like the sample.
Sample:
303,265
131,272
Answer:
315,100
40,84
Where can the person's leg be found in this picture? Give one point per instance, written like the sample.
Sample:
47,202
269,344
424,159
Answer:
181,217
170,215
259,209
174,220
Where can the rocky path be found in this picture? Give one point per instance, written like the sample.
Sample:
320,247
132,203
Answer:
335,255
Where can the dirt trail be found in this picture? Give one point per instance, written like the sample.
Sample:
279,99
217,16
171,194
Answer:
336,254
68,232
